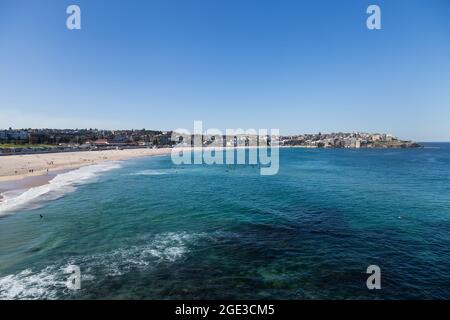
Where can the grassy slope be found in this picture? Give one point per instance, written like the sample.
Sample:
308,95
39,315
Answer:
10,145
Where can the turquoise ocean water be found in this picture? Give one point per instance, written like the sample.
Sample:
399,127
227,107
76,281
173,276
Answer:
147,229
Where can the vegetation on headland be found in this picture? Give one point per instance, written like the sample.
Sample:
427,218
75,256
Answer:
347,140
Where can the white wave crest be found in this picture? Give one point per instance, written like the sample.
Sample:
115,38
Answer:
57,187
28,285
50,282
166,247
152,173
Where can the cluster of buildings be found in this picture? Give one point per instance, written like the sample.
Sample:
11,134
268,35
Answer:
237,140
328,140
26,140
84,138
14,135
346,140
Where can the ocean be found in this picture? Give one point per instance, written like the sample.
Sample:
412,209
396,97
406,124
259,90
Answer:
148,229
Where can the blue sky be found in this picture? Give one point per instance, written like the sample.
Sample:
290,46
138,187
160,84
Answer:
300,66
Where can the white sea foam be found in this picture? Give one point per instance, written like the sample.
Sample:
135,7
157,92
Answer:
164,248
56,188
50,283
152,173
29,285
160,172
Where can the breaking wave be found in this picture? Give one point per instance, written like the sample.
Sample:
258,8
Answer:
152,172
166,247
50,282
56,188
44,284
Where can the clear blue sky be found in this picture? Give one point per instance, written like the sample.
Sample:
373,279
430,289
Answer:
300,66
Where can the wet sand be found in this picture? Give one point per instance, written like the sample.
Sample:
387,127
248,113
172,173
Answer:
27,183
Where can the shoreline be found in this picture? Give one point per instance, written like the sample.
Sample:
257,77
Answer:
20,167
19,173
23,171
26,183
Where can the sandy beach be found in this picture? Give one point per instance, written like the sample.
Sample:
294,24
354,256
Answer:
18,167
